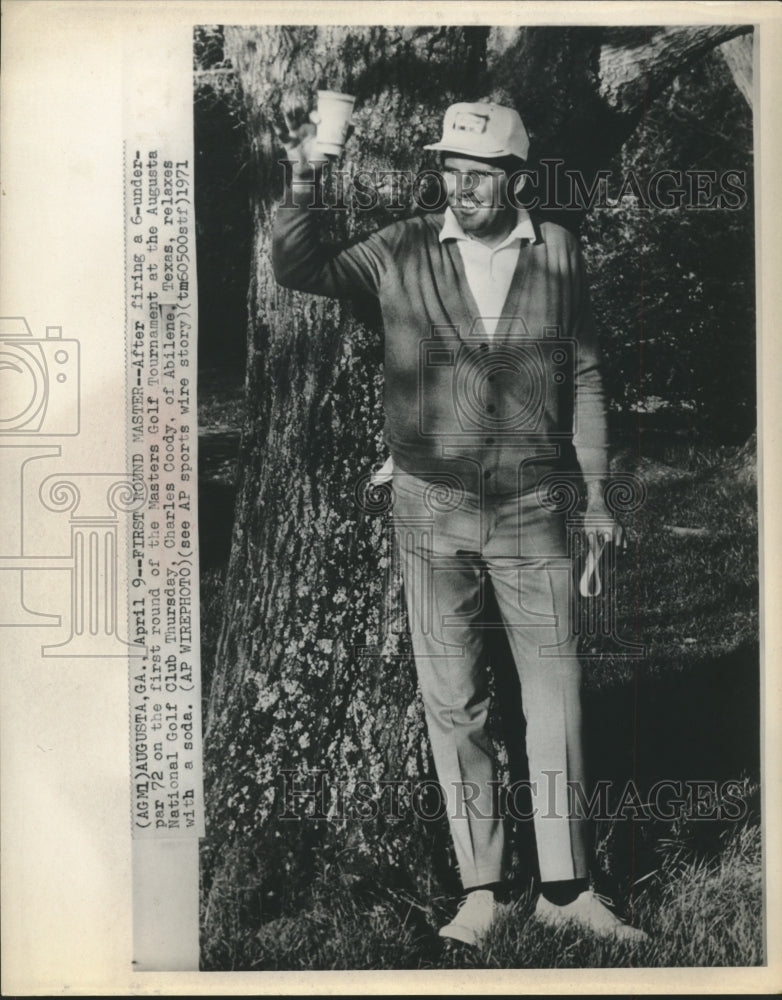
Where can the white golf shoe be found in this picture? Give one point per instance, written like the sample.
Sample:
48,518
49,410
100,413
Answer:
589,911
474,917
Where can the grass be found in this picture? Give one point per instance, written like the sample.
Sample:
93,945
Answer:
699,910
687,596
695,886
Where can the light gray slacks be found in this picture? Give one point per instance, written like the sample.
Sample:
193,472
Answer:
449,543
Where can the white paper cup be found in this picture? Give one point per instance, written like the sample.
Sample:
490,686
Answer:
334,114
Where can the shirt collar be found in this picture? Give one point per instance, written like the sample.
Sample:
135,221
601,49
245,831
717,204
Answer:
524,229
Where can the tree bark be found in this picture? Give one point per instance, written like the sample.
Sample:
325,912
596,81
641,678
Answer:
313,670
737,53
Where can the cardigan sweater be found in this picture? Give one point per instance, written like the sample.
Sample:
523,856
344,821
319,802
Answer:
491,416
489,269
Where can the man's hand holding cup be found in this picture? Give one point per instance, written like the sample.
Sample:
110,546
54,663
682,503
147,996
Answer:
309,144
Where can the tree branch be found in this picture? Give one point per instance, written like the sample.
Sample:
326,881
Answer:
633,74
737,53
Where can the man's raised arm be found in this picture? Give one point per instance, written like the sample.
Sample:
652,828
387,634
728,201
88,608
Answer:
300,258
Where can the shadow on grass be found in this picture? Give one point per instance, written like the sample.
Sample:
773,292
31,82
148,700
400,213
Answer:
697,723
691,721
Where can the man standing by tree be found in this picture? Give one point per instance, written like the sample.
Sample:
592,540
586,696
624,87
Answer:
491,364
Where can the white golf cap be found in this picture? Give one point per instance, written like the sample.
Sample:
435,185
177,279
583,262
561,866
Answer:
484,131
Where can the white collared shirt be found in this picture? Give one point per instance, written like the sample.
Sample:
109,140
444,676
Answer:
489,270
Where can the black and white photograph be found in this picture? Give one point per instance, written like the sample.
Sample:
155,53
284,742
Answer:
478,493
390,491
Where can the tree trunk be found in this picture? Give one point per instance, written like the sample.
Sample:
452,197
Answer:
313,670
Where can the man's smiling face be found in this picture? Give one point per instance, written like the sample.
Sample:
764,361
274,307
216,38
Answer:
477,196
